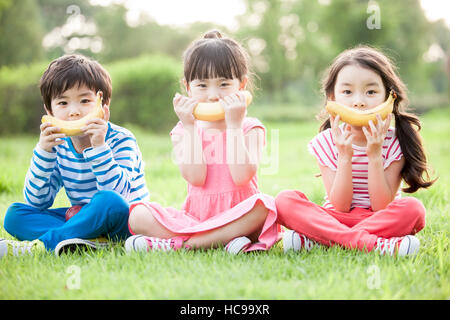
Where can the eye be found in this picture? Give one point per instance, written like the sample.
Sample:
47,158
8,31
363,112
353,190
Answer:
224,84
85,101
62,103
346,92
371,92
201,85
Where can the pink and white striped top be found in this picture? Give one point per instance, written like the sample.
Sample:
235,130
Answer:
323,148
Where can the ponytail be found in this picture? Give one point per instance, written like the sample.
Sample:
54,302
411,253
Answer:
415,171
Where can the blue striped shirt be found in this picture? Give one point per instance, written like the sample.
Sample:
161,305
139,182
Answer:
117,166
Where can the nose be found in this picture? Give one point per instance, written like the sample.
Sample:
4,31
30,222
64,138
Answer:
213,95
359,104
74,112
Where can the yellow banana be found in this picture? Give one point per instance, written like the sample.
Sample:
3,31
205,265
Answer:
213,111
357,117
73,128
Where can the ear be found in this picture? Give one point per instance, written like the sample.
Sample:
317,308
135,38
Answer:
331,97
186,86
49,112
243,83
106,112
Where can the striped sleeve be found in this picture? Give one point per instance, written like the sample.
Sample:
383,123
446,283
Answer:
393,150
111,173
118,166
323,148
43,180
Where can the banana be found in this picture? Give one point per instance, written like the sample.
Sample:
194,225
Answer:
357,117
73,128
213,111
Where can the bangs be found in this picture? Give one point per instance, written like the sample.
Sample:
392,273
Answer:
75,76
73,71
212,60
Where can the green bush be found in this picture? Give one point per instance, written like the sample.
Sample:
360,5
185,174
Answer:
143,89
21,106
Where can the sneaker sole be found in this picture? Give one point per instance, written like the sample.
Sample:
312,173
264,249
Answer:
237,245
72,245
3,248
130,244
291,241
409,246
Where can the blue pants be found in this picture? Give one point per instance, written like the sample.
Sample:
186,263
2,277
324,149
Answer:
105,215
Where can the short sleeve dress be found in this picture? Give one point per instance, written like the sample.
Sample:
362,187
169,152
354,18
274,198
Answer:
219,201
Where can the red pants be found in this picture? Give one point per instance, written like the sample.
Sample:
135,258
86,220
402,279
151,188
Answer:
358,228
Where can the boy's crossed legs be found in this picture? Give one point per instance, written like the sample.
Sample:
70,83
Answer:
105,215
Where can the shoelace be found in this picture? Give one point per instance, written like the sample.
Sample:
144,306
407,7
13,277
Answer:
307,243
159,244
386,245
21,247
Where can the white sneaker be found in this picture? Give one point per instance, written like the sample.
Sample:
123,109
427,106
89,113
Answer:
71,245
238,245
18,248
401,246
294,241
140,242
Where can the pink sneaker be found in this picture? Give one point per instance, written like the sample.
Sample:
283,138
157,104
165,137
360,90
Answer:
143,243
401,246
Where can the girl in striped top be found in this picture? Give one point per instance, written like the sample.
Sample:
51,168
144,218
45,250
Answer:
362,167
101,170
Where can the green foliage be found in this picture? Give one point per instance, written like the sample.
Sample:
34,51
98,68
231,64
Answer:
21,106
143,89
21,32
301,38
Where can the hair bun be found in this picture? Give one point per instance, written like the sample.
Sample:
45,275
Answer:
213,34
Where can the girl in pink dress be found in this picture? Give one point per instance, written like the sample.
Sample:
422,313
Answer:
218,159
362,167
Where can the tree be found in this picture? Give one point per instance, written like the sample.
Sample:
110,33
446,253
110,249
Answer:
20,32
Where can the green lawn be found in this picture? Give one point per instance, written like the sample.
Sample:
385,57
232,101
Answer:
320,274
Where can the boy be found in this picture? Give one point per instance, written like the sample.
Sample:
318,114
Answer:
101,170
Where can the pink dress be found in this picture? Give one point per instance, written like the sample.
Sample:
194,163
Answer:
219,201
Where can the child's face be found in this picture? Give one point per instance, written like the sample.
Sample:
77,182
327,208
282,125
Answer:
359,87
74,103
211,90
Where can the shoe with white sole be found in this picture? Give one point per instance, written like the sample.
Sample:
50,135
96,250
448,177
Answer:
18,248
238,245
74,244
295,241
140,242
400,246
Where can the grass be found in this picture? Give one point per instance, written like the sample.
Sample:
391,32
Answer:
323,273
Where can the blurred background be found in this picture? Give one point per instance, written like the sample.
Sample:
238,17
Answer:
291,43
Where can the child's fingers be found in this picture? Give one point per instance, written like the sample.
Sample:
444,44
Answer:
54,137
387,123
44,126
50,130
380,123
372,127
367,133
335,126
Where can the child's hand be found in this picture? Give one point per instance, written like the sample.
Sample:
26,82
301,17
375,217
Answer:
375,135
342,140
235,109
184,108
96,129
50,137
